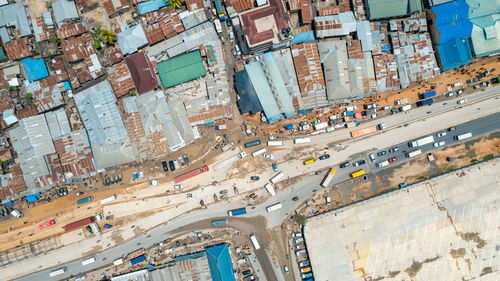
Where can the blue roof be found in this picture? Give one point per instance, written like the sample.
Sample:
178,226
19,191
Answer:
263,90
219,263
35,69
454,53
452,20
248,102
2,54
151,6
284,98
303,37
32,198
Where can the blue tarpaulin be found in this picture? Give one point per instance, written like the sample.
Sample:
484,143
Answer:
32,198
35,69
80,180
302,37
67,87
209,123
151,6
8,203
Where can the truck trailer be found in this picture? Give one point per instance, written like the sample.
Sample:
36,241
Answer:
277,177
328,178
191,174
273,207
303,140
367,130
425,102
78,224
237,212
428,95
252,143
270,189
84,200
259,152
275,143
422,141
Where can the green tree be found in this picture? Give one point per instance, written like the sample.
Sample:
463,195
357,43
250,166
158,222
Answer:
108,36
175,4
29,97
56,40
300,219
6,86
97,44
131,93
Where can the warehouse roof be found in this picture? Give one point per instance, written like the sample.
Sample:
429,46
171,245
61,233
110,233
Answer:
485,16
278,87
35,69
248,102
142,72
181,69
264,92
14,15
378,9
452,21
151,6
219,261
335,25
333,55
454,53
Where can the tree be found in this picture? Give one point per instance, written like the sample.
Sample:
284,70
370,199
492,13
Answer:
175,4
29,97
56,40
300,219
108,36
97,44
6,86
131,93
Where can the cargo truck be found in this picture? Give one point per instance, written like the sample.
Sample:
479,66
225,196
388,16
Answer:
320,126
84,200
254,241
259,152
328,178
357,174
405,107
252,143
78,224
108,199
56,272
218,27
190,174
237,212
463,136
227,146
305,269
289,127
351,124
348,113
402,101
88,261
414,153
277,177
425,102
137,260
275,143
303,140
270,189
309,161
273,207
47,224
422,141
221,127
382,164
428,95
219,222
367,130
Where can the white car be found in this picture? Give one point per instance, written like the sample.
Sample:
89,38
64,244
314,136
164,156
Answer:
242,155
268,156
198,234
438,144
297,234
178,186
285,268
387,107
442,134
374,116
462,101
450,94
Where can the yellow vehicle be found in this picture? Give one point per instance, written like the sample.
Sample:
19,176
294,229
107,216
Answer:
357,174
309,161
328,178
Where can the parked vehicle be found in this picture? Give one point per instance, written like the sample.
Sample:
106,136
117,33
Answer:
275,167
191,174
421,141
461,101
425,102
442,134
254,178
381,153
171,165
84,200
297,234
463,136
328,177
219,222
237,212
344,165
165,166
393,149
359,163
325,156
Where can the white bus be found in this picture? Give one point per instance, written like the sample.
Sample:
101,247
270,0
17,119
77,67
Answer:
303,140
108,199
254,241
275,143
56,272
88,261
463,136
270,189
274,207
259,152
414,153
277,178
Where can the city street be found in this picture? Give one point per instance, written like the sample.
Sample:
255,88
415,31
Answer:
303,189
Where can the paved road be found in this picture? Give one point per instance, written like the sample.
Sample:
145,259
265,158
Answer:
302,190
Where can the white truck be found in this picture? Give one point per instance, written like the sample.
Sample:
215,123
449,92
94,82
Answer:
153,182
414,153
218,26
320,126
16,213
303,140
402,101
422,141
227,146
259,152
270,189
277,177
405,107
275,143
274,207
382,164
463,136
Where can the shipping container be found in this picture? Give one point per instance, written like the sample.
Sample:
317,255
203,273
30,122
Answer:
428,95
277,177
275,143
219,222
309,161
108,199
414,153
302,140
190,174
78,224
270,189
259,152
254,241
328,178
237,212
357,174
47,224
252,143
463,136
84,200
289,127
137,260
273,207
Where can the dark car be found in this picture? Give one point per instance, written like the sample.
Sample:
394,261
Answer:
165,166
228,22
394,149
254,178
295,198
346,164
171,164
89,229
226,136
323,157
403,184
246,272
359,163
186,159
380,153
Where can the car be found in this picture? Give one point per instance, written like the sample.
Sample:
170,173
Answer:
393,149
403,184
252,195
460,91
450,94
299,252
369,106
452,129
246,272
373,116
299,247
79,193
89,229
372,157
226,136
381,153
440,135
254,178
178,186
438,144
275,167
285,269
297,234
228,22
165,166
317,173
392,160
461,101
295,198
268,156
198,234
171,165
344,165
387,107
323,157
359,163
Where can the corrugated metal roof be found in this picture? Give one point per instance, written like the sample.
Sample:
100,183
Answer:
452,21
191,19
333,55
264,93
280,92
186,68
219,261
64,9
132,39
335,25
15,15
151,6
35,69
58,123
454,53
378,9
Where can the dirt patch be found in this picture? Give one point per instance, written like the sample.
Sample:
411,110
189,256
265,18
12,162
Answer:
117,237
474,237
416,266
458,253
486,270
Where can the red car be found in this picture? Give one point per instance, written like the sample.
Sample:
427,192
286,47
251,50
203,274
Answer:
393,159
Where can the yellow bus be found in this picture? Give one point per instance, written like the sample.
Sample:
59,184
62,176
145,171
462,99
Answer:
357,174
309,161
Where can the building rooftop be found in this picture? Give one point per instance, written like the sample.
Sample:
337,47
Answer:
219,261
69,29
151,6
193,18
248,101
47,98
386,72
12,184
454,53
264,92
108,138
121,80
63,10
186,68
278,87
58,123
14,15
75,155
142,72
335,25
379,9
131,39
451,21
43,27
35,69
485,17
333,56
114,6
18,48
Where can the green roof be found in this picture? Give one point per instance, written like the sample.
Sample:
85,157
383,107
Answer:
2,54
181,69
378,9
